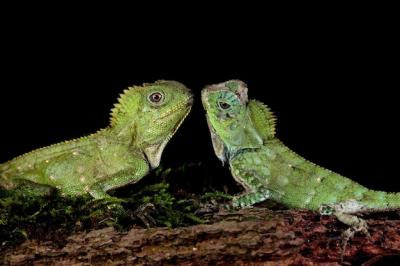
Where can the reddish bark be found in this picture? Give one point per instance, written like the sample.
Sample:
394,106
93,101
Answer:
257,236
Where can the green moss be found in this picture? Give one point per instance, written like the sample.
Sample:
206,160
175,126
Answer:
25,214
169,210
176,194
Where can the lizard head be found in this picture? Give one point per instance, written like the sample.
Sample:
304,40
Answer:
149,115
228,118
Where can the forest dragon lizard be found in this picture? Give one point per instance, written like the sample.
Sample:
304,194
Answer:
142,122
243,134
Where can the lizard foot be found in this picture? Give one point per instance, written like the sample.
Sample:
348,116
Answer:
343,212
111,203
143,212
209,208
348,234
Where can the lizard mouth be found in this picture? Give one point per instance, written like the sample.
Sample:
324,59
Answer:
184,105
189,107
190,100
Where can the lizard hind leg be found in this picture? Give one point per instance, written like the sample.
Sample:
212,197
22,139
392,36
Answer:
345,212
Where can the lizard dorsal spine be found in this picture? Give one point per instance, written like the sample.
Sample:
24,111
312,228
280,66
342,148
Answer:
263,119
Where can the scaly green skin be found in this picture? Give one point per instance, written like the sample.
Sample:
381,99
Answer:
142,123
243,133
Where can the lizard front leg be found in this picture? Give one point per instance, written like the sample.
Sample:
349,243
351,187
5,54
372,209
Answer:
255,189
137,169
251,197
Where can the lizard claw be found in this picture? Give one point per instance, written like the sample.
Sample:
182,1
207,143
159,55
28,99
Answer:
112,203
209,208
348,234
143,213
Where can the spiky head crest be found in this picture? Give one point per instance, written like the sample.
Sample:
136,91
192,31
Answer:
132,98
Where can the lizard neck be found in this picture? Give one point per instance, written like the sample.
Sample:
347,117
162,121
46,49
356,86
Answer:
238,138
117,135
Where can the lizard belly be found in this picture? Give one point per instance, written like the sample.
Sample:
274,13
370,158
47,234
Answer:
76,174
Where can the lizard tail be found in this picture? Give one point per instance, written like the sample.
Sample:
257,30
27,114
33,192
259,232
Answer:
393,200
381,200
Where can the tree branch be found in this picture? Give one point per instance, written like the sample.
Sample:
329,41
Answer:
255,235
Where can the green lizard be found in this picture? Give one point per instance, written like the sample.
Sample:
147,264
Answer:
243,134
142,122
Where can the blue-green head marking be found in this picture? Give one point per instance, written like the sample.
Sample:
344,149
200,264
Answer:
228,118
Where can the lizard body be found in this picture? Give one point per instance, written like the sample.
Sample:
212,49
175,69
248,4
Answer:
142,122
243,134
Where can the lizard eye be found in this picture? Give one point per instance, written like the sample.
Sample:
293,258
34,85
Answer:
156,97
224,105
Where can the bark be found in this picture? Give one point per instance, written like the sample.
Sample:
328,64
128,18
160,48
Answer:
253,236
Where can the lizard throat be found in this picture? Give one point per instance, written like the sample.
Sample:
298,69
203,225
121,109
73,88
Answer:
153,152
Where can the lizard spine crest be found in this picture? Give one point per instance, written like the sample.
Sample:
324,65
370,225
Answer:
263,119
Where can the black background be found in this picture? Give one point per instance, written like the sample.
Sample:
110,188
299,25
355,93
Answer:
332,82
